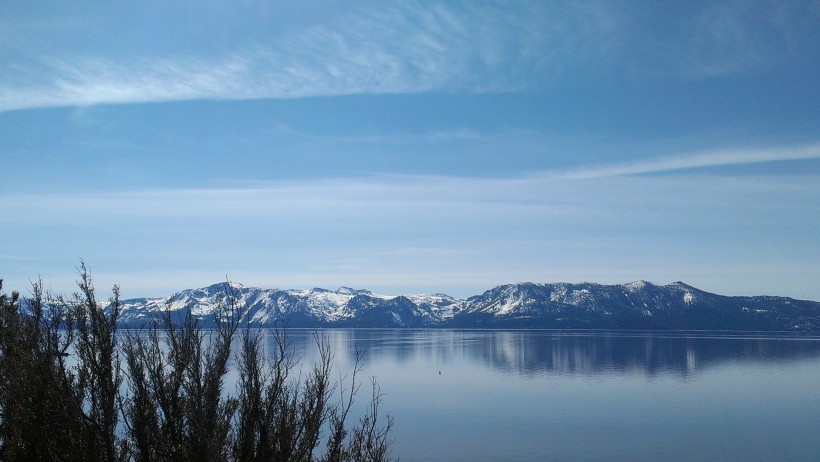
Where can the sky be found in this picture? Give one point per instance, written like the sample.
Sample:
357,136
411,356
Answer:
410,146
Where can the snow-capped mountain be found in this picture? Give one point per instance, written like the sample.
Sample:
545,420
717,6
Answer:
299,308
536,300
637,305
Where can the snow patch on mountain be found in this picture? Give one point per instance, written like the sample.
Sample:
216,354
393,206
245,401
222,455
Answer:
636,286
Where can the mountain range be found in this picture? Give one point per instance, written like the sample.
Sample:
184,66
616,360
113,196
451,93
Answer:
636,305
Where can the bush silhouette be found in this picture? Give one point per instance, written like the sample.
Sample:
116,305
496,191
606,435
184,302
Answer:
74,388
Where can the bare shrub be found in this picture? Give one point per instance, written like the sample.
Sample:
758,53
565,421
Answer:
73,388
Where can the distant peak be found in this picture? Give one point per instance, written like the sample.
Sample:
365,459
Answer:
636,285
224,285
349,291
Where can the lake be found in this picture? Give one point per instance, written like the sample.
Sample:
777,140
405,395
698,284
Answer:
473,395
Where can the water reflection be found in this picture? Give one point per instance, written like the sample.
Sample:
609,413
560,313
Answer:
534,353
557,395
527,353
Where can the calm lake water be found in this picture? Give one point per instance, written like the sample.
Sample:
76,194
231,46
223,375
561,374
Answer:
545,395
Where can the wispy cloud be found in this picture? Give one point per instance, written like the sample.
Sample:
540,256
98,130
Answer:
693,161
426,233
402,47
393,48
313,200
89,81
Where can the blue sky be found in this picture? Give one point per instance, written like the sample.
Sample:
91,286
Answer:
411,146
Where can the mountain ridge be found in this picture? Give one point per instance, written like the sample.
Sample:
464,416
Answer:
634,305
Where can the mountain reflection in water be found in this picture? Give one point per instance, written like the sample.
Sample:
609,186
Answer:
533,395
532,352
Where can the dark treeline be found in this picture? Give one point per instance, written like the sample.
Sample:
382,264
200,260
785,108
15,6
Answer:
72,388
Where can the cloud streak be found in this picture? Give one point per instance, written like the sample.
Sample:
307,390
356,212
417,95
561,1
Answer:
397,48
408,233
411,233
693,161
554,192
402,47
